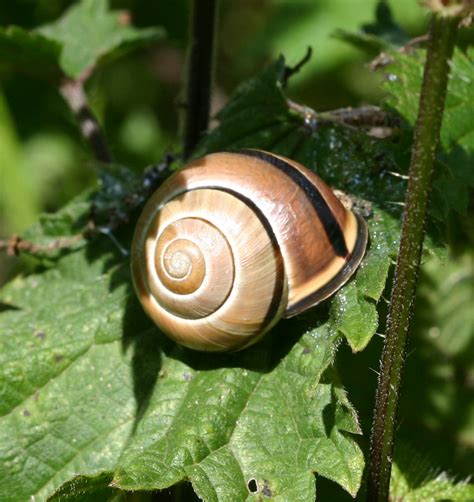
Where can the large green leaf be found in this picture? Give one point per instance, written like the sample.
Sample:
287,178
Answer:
89,31
67,400
414,479
263,415
90,388
86,35
75,396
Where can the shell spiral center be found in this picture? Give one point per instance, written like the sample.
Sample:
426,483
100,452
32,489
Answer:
195,268
180,264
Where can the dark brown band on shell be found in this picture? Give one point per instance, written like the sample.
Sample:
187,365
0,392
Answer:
340,278
332,228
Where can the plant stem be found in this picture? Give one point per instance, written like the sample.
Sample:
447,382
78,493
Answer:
16,245
432,98
74,95
199,73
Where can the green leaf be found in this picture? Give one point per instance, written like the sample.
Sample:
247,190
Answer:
405,74
413,479
257,114
385,26
75,397
67,399
355,317
380,35
86,489
247,417
354,308
367,42
88,32
455,176
441,488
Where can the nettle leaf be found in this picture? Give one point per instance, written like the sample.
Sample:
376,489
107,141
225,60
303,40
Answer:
67,397
442,350
76,396
87,489
449,288
87,34
375,37
265,416
385,26
454,179
89,31
440,488
89,387
414,479
455,176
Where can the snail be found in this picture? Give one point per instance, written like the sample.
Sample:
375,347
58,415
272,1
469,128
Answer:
235,241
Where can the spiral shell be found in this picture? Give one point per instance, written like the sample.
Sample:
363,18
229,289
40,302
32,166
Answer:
234,241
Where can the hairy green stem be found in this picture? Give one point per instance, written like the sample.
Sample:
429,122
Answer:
432,98
199,73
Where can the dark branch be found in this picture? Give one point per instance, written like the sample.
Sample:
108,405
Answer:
74,95
199,73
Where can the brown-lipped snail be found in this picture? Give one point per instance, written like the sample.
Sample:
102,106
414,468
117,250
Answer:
236,240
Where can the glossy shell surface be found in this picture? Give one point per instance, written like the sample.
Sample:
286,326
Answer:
234,241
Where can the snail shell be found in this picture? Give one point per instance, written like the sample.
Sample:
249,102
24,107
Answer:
234,241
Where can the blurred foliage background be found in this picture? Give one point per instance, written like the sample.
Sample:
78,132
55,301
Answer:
44,163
